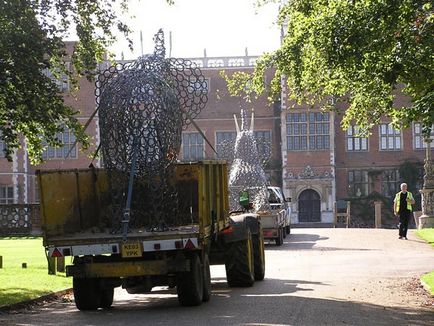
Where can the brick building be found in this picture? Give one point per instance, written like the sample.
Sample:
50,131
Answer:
312,157
217,119
323,163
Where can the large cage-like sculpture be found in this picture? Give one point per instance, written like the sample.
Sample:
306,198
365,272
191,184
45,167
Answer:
143,107
247,172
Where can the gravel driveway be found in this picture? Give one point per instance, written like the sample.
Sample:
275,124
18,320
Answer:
318,277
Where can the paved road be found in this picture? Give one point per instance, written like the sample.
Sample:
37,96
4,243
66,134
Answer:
318,277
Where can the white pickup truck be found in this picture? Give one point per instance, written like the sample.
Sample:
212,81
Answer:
277,224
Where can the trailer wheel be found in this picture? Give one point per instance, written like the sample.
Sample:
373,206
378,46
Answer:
106,297
189,285
288,229
206,279
239,263
86,293
259,256
279,239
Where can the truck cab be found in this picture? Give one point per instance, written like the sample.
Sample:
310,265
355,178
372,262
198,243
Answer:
279,202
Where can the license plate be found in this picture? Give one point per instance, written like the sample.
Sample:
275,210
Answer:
131,249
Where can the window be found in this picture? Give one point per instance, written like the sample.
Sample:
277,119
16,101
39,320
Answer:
307,131
6,194
62,81
224,136
264,143
192,146
355,143
358,183
419,142
68,140
390,182
390,138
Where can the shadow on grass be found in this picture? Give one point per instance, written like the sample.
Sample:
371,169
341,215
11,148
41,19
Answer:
15,295
272,301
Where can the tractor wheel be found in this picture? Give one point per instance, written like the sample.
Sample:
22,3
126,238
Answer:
206,279
239,263
259,256
189,285
86,293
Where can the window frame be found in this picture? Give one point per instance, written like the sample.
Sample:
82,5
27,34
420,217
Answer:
418,138
305,130
352,191
4,190
388,135
386,183
183,149
350,135
63,149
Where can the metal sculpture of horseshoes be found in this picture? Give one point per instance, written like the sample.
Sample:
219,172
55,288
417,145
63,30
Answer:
143,107
247,172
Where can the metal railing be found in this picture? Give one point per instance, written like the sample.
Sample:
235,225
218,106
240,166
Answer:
20,219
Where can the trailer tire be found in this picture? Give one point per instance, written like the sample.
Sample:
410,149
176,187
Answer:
239,263
288,229
279,239
86,293
259,256
106,297
189,285
206,279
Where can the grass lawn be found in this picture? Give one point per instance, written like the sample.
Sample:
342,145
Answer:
18,284
428,236
429,280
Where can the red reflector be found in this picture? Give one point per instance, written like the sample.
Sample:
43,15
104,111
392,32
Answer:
56,253
228,230
268,233
189,244
178,244
157,246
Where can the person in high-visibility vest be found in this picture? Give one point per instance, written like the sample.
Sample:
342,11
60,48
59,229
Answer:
402,208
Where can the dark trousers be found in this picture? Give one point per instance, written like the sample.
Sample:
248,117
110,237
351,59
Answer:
404,217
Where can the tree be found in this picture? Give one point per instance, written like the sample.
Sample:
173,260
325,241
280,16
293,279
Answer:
30,45
362,52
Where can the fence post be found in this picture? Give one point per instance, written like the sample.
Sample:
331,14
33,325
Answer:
377,214
51,265
61,264
1,261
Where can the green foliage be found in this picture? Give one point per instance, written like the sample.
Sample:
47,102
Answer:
18,284
31,44
361,52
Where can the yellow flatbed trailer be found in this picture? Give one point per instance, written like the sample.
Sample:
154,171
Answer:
76,214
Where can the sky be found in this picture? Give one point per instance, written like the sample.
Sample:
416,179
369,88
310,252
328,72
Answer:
222,27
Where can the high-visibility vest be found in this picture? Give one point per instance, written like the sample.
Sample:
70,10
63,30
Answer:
398,201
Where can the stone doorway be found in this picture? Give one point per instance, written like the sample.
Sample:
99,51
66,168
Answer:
309,206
